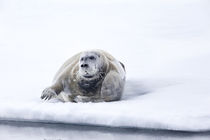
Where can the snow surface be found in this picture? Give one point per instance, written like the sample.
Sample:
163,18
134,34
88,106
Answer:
165,46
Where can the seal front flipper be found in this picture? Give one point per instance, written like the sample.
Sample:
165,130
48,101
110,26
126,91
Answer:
112,87
51,92
48,93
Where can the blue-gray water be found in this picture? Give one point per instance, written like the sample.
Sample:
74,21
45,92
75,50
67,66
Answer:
43,131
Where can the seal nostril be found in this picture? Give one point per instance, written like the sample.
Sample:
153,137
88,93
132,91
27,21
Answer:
84,65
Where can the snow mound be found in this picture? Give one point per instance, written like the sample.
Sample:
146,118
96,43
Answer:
163,44
157,104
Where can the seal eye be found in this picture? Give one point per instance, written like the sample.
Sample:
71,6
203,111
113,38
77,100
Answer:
82,59
92,58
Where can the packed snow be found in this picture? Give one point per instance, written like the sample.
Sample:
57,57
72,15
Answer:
165,46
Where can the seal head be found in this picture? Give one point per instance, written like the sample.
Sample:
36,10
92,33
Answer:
91,70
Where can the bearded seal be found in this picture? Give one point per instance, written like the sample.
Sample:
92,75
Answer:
89,76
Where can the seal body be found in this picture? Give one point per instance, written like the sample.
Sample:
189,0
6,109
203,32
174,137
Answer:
89,76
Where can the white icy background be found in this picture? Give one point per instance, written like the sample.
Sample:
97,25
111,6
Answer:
165,46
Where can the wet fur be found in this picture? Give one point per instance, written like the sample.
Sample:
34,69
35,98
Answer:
68,85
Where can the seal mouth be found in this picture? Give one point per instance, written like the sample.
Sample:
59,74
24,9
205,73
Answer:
88,76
